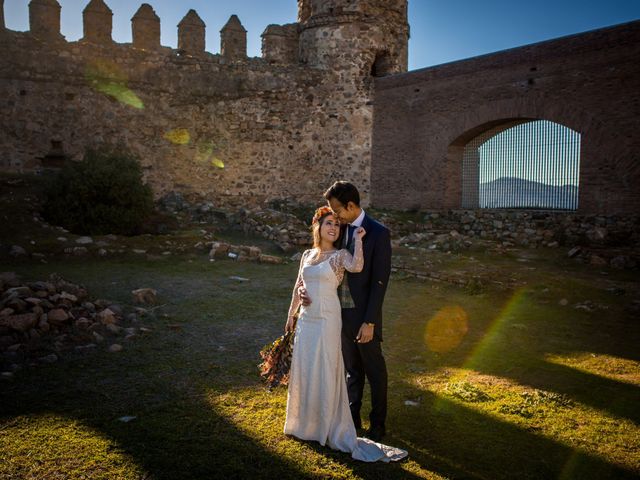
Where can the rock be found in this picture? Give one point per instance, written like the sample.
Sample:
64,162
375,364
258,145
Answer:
79,251
139,251
84,240
553,245
99,338
57,316
84,348
17,251
411,403
106,317
6,375
597,234
597,261
618,262
21,323
564,302
113,328
254,252
8,280
115,348
5,312
83,322
573,252
52,358
145,330
238,279
145,295
270,259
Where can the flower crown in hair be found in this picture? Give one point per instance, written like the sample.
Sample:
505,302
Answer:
320,212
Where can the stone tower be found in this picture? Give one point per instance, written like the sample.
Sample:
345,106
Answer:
191,34
233,40
366,37
97,21
44,19
145,28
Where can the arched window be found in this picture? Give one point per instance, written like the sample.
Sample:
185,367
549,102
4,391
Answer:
522,164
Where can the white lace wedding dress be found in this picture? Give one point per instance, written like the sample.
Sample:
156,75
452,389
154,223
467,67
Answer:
317,401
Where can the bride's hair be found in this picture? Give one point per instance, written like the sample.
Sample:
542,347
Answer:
318,219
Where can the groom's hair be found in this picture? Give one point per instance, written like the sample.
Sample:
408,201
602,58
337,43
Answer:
344,192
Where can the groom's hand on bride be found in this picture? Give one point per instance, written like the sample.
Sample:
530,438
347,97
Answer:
304,297
365,334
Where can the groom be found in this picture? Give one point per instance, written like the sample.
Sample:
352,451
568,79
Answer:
361,296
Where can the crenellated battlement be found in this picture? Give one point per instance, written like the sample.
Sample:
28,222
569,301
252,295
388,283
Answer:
44,23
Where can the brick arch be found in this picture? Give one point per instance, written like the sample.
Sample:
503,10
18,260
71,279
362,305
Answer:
588,83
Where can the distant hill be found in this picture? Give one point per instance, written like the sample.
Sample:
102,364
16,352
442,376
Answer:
513,192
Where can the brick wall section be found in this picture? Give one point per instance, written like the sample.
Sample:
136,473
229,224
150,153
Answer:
588,82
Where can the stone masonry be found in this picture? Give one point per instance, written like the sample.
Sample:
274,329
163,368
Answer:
225,127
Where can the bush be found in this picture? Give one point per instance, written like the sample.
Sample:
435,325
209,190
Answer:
102,194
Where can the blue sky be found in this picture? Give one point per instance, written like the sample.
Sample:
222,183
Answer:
441,30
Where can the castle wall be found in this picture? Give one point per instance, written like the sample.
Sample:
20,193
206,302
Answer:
232,133
588,82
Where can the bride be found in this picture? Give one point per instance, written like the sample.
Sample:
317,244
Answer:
317,400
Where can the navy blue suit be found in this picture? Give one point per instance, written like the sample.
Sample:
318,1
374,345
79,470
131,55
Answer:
367,291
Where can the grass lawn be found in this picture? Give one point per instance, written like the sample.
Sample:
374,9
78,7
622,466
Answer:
487,384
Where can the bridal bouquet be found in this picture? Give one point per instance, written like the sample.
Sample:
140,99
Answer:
276,360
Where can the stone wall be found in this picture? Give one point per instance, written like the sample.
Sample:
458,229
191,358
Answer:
223,127
588,82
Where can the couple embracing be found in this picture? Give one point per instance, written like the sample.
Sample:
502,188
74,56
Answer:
340,288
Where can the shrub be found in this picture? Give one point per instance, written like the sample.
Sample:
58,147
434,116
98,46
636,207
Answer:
102,194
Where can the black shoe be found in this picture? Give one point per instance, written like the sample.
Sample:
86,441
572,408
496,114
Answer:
375,433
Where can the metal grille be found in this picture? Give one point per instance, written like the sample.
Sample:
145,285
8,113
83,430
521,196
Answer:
522,165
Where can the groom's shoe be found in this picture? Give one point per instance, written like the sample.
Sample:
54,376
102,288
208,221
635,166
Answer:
375,433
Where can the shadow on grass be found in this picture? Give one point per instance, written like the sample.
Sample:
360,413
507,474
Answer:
459,442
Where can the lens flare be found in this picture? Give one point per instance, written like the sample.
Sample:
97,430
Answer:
108,78
178,136
446,329
205,155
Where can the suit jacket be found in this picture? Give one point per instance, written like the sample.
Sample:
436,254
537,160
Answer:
370,285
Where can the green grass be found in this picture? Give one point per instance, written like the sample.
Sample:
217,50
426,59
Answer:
529,389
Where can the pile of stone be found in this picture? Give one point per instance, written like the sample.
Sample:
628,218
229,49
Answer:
605,258
443,241
39,321
519,228
241,253
285,229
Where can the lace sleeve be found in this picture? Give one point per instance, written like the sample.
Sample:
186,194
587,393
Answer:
295,297
343,260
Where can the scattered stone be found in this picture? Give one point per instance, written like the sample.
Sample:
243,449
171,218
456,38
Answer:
116,347
597,261
145,295
113,328
17,251
57,316
21,323
106,317
238,279
6,375
84,240
411,403
271,259
139,251
564,302
52,358
99,338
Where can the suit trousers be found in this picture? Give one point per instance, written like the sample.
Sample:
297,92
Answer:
363,360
